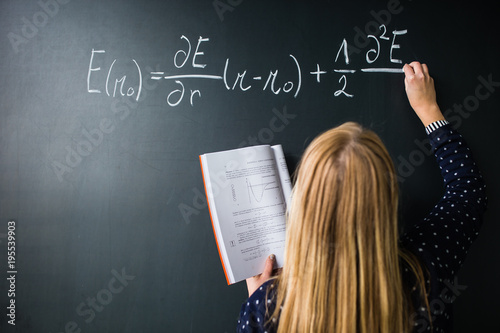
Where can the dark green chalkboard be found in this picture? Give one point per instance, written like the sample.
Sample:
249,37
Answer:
106,105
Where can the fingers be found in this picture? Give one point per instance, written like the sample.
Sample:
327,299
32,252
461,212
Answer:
415,68
268,269
255,282
416,75
408,70
421,93
425,69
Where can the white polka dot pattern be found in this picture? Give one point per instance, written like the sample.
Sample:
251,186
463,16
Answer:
441,241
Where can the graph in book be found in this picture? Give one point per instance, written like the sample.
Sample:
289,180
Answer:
263,191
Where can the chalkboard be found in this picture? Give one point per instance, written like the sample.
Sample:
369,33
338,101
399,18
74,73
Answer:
106,105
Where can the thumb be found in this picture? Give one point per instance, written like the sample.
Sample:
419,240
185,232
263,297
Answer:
268,268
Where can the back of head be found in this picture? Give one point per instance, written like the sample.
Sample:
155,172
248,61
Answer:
341,271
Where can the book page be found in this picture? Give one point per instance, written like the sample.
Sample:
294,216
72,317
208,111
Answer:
286,182
250,207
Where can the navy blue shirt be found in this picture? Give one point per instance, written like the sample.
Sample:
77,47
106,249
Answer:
440,241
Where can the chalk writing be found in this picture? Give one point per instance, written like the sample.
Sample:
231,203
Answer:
119,83
271,80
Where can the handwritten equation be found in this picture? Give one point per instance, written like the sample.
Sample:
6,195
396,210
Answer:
272,81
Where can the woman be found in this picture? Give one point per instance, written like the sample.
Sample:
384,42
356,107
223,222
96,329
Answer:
346,270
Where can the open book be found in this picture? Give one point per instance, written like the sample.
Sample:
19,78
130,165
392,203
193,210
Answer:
248,190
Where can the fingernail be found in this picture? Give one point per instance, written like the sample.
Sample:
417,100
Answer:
272,257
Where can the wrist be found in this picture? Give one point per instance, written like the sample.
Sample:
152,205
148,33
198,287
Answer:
430,115
435,125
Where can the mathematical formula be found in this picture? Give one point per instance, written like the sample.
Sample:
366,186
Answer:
272,81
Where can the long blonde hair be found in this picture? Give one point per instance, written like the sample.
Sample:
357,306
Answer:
342,261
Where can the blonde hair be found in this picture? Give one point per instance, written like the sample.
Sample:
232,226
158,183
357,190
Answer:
342,260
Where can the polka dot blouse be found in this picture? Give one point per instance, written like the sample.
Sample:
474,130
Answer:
440,241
